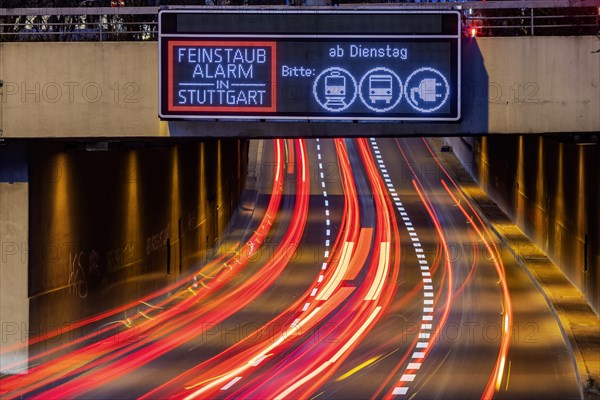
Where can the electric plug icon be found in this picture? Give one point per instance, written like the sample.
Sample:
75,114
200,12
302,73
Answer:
427,91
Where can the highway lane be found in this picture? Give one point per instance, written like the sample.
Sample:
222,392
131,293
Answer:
51,374
374,279
462,360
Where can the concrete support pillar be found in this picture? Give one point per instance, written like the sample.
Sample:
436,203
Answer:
14,231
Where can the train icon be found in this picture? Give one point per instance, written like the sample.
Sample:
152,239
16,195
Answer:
380,88
335,89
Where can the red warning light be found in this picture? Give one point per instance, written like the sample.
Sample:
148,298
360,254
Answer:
473,32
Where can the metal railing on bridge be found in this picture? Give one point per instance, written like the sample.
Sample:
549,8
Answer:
490,18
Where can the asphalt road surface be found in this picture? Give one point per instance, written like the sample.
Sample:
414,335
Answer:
363,272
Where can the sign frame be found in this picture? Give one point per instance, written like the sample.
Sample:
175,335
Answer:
270,114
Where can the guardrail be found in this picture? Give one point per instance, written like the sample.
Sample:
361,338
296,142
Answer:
490,18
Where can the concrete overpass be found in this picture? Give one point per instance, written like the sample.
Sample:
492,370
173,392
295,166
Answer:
110,89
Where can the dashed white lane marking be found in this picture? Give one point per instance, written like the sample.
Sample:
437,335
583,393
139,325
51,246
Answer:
427,317
231,383
314,291
255,363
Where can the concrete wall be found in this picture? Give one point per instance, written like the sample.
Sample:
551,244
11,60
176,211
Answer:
80,89
106,227
510,85
14,302
551,190
14,220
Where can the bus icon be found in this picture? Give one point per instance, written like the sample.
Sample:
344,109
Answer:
380,88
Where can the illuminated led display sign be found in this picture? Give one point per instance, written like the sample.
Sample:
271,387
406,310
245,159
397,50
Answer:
282,64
